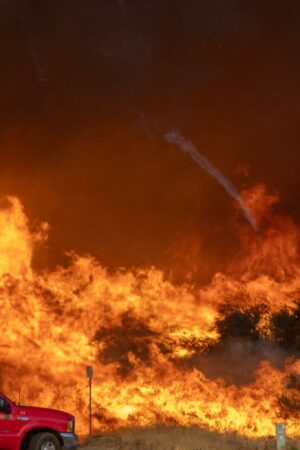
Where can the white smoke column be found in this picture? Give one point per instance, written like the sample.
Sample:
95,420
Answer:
186,146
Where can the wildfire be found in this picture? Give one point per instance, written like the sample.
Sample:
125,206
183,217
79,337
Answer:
155,346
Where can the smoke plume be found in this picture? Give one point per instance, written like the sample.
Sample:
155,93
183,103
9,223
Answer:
186,146
39,62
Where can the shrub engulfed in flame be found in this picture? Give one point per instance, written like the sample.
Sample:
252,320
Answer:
155,346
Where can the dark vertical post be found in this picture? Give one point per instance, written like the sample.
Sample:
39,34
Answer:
90,407
89,373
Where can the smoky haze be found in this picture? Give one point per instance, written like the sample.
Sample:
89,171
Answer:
88,90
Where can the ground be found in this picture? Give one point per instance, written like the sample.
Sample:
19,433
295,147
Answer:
179,438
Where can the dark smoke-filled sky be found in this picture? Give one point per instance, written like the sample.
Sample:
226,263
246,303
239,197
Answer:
88,89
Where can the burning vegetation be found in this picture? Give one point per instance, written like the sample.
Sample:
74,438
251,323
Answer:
223,356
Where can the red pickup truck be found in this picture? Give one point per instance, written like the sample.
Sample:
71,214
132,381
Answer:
31,428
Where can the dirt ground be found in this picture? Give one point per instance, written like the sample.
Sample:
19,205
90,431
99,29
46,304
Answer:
179,438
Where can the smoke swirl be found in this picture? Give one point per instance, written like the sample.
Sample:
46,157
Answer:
174,137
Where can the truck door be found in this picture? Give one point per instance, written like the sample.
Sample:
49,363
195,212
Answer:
10,426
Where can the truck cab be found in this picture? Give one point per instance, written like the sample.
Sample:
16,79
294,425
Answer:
32,428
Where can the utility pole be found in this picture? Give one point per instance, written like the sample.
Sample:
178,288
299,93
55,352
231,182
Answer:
89,374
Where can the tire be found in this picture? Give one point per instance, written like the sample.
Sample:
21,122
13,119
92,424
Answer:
44,441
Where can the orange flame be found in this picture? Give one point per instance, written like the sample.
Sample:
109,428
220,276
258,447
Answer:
144,335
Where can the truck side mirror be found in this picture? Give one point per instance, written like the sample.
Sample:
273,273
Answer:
4,406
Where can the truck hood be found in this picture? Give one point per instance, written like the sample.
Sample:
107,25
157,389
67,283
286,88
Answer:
35,411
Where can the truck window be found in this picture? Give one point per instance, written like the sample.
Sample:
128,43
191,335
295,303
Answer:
4,406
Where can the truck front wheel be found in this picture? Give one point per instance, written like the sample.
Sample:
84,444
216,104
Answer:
44,441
